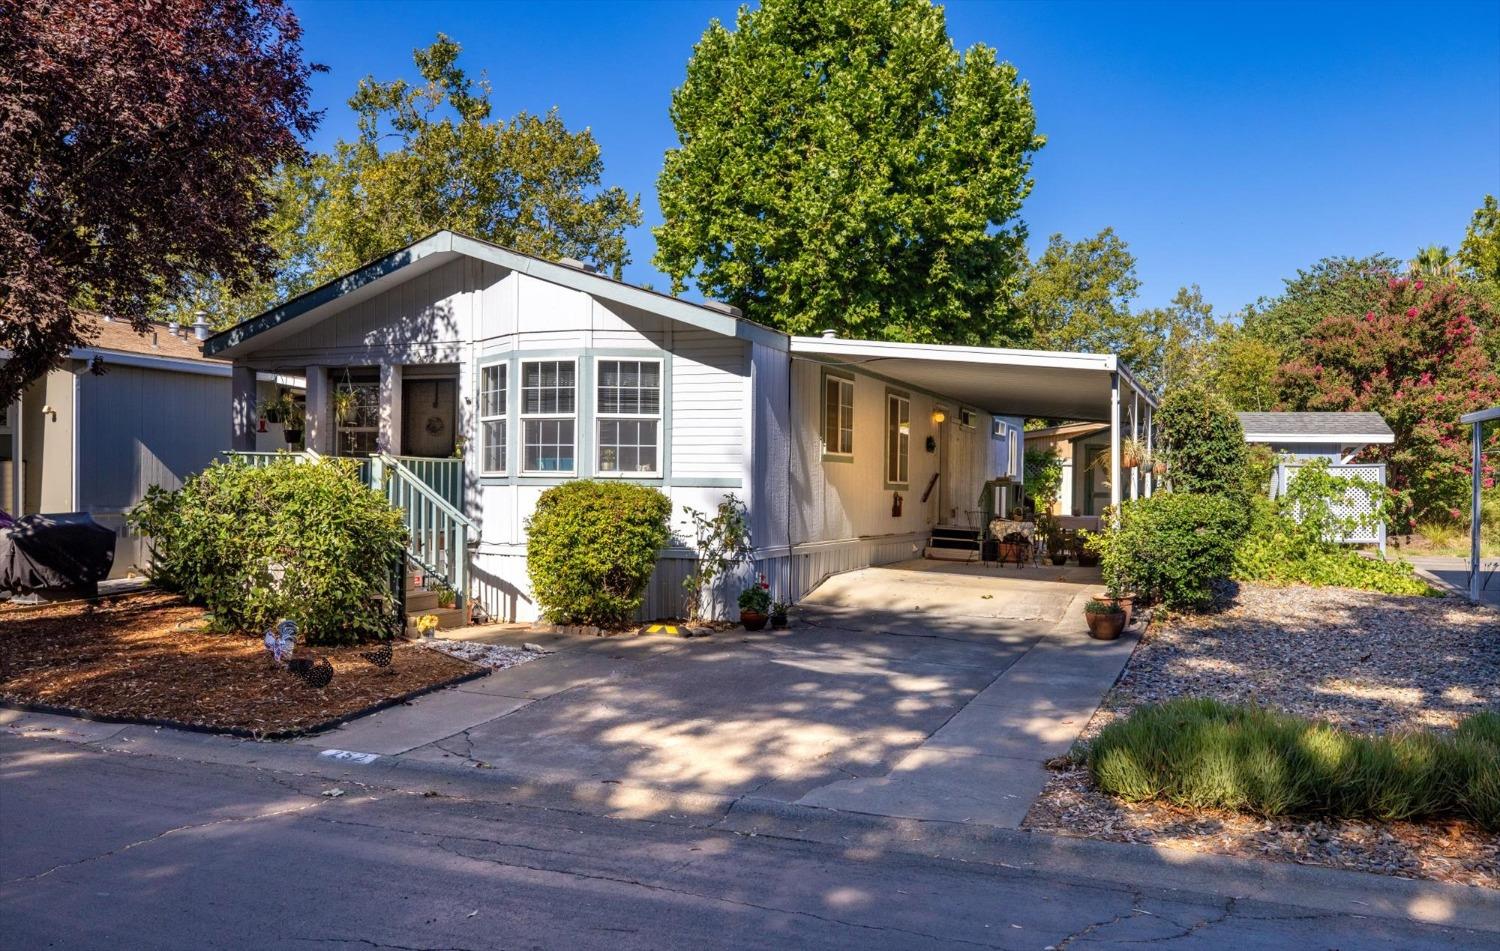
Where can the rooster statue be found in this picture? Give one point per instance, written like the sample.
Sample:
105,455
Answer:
380,656
316,675
281,640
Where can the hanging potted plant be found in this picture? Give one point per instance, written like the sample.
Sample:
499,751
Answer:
1132,453
292,418
1105,621
1158,467
755,601
345,404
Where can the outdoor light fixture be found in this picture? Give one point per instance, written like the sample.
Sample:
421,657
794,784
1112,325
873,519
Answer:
938,416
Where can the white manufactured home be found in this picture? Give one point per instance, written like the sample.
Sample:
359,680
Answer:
474,377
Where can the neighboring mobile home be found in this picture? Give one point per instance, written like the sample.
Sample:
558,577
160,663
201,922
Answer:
533,372
126,412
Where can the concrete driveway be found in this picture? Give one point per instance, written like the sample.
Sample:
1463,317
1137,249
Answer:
889,675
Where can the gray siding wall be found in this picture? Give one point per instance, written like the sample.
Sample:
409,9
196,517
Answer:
139,428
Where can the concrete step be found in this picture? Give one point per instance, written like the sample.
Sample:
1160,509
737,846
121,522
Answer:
420,600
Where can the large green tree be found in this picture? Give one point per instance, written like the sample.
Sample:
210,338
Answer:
429,156
1333,287
841,165
1186,327
1077,297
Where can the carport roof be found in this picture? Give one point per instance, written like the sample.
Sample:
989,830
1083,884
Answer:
1074,386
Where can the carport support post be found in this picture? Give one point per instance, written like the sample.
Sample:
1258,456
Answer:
1114,442
1150,476
1135,436
1476,503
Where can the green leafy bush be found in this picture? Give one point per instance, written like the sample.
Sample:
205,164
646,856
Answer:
1202,441
591,548
1290,540
1044,472
1171,548
1203,754
307,541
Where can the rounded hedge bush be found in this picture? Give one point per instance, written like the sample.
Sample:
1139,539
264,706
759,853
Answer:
306,541
1203,441
1172,547
591,548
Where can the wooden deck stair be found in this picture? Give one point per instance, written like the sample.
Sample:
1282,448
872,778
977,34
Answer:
420,601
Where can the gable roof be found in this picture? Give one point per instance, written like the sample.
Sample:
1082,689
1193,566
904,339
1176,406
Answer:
441,247
1316,427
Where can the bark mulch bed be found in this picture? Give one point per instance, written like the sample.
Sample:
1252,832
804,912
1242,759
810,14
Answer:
1365,661
127,659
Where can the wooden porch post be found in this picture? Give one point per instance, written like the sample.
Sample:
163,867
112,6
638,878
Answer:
243,415
1114,438
318,435
388,439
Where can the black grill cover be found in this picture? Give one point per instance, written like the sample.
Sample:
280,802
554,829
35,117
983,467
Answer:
55,551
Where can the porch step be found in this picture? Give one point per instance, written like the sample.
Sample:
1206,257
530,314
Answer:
955,533
448,618
951,554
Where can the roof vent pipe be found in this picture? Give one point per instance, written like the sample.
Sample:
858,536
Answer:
830,334
201,329
575,263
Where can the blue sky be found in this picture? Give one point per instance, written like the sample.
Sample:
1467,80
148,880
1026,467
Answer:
1228,143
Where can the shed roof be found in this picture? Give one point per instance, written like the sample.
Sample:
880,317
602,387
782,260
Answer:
158,340
1316,427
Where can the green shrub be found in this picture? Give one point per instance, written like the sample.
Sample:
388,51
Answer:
1202,441
1171,548
591,548
230,531
1288,541
1044,472
1203,754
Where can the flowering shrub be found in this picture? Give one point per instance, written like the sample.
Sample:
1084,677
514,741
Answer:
1420,361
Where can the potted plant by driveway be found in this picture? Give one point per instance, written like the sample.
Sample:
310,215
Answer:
778,615
1087,558
1106,621
755,601
1016,547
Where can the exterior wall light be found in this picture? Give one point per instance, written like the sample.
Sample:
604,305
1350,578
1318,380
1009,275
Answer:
938,416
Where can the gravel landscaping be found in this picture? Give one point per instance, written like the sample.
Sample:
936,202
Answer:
493,656
1364,661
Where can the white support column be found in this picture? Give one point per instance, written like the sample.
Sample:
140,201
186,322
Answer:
388,439
18,454
243,413
1114,439
1477,477
318,434
1135,435
1151,451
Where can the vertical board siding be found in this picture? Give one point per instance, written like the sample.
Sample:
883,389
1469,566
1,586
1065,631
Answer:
770,474
138,428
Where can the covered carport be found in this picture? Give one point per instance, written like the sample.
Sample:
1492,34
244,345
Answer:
1082,387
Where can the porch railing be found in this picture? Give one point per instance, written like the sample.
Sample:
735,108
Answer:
1355,505
437,532
429,494
443,476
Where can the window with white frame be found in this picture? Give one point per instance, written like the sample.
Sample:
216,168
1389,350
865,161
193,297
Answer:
628,409
357,417
838,416
549,413
897,438
492,419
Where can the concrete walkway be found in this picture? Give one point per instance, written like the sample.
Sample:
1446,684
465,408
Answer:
1453,574
921,690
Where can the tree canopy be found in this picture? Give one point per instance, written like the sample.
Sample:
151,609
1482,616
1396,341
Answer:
428,157
1332,287
841,165
135,152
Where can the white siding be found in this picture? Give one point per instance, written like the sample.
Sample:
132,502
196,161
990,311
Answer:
709,380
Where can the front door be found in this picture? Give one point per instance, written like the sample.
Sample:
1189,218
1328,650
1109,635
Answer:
428,417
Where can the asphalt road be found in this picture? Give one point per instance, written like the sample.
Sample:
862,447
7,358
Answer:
117,851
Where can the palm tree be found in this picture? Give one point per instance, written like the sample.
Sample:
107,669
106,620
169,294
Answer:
1434,261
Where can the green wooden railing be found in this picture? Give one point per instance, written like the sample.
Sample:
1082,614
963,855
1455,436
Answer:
443,476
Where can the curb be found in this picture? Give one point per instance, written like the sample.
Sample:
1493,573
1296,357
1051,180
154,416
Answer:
79,713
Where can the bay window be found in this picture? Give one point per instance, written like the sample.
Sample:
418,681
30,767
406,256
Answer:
628,410
549,415
492,420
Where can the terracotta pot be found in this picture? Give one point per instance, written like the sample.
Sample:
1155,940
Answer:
1014,552
1126,604
1106,627
753,620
